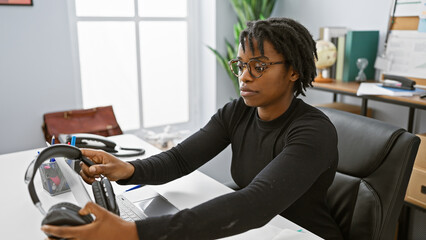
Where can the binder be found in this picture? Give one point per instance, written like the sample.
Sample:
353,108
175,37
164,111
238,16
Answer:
360,44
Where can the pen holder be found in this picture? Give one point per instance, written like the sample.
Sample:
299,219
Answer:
52,178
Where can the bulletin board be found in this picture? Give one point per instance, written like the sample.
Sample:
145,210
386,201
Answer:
406,44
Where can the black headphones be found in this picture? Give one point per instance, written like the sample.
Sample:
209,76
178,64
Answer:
64,213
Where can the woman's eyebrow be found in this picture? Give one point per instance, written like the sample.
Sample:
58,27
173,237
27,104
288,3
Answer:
260,57
256,58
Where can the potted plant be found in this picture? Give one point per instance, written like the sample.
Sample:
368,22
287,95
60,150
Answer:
246,10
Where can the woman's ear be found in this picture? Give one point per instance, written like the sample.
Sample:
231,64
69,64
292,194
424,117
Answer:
294,75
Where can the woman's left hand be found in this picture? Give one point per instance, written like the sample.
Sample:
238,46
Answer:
106,226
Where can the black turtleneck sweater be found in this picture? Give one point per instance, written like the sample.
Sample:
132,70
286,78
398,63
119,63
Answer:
283,166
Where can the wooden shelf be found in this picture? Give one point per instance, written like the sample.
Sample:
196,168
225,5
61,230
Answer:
350,88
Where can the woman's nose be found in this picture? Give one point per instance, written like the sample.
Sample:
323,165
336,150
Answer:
245,75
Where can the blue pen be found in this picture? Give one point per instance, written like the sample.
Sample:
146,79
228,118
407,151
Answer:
73,141
133,188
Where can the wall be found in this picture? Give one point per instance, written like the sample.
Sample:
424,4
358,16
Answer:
219,167
36,71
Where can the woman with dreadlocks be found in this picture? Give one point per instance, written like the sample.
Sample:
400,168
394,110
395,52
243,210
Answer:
284,151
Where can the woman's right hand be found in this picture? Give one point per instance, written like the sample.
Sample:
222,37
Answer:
106,164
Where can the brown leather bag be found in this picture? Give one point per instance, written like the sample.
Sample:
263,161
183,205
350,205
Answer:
100,120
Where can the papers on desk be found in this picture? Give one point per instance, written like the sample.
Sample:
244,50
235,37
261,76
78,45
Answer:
377,89
270,232
293,235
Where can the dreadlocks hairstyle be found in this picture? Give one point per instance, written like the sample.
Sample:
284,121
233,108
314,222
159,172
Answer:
289,38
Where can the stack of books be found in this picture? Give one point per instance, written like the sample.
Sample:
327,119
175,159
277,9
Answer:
336,35
350,46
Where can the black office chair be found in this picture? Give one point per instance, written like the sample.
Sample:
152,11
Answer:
375,163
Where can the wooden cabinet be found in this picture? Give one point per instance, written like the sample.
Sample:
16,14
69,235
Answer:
416,190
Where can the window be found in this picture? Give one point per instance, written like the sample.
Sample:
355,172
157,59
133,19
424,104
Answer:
134,55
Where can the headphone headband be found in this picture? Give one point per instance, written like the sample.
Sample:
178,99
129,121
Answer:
57,150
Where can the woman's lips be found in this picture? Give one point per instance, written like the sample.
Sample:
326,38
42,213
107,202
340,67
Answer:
246,92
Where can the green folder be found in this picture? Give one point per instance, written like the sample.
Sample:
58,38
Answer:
360,44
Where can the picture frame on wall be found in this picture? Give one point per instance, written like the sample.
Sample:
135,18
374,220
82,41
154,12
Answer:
17,2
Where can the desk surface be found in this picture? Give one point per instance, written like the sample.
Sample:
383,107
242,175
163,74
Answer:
350,88
20,219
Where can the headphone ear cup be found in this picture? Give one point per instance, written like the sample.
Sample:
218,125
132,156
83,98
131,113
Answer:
110,196
65,214
99,194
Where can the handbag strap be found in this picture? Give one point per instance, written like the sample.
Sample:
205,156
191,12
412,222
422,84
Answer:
79,113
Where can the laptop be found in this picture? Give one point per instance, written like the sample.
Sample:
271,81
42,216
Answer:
134,205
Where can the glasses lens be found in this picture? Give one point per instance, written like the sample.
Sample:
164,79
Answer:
235,67
256,68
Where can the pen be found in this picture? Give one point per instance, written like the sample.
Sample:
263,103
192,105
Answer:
53,142
133,188
73,141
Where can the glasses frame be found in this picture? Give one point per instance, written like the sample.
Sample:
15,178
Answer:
247,65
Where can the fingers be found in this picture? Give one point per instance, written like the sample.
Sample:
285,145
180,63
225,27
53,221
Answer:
90,173
61,231
86,178
98,229
94,155
106,164
75,232
93,208
94,170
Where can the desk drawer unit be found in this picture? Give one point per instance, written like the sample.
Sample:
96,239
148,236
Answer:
416,190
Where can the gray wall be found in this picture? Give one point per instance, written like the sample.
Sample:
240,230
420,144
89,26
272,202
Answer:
219,167
36,71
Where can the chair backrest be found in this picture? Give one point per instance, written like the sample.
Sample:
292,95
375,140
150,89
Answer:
375,164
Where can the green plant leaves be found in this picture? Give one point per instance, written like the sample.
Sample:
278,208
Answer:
246,10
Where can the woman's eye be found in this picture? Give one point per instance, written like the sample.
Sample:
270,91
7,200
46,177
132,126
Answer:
259,69
240,66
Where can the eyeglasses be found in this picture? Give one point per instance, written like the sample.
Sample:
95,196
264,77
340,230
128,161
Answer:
255,67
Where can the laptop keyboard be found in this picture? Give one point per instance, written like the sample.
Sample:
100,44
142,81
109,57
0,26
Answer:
128,211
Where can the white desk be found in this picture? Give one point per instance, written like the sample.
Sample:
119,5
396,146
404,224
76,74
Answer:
20,219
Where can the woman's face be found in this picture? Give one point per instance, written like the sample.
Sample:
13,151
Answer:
274,89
